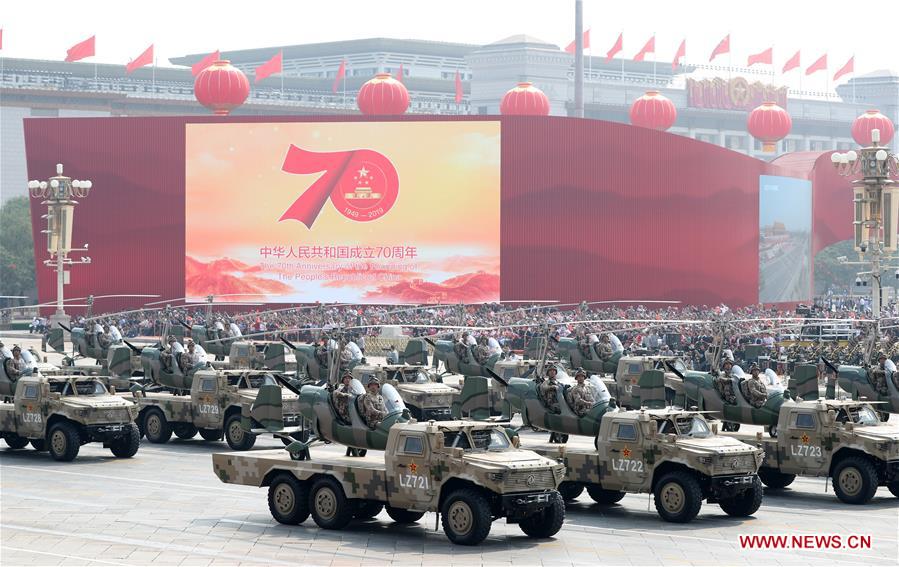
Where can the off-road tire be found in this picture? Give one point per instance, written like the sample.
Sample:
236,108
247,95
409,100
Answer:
678,497
63,441
602,496
368,509
855,480
894,488
184,430
466,517
288,499
211,434
16,442
156,427
126,446
775,479
237,438
570,490
330,507
401,516
546,522
746,503
39,444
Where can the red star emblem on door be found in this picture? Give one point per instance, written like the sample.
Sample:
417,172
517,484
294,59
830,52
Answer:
804,438
413,468
626,453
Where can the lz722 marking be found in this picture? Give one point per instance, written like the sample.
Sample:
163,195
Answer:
627,465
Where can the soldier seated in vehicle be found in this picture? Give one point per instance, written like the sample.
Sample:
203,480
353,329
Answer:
724,383
11,364
393,355
753,388
481,352
321,352
171,359
879,375
583,345
372,404
549,389
461,349
580,397
603,348
340,397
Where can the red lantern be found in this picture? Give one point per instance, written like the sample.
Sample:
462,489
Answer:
525,100
653,110
383,95
871,119
769,124
221,87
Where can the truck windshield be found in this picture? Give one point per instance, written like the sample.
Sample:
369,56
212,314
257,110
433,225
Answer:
91,388
258,380
479,439
685,425
862,415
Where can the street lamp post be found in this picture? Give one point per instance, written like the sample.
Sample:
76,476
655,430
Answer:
59,194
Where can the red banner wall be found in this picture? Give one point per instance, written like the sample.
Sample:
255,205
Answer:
590,209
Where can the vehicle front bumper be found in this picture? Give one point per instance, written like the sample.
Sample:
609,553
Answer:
108,431
723,487
519,506
437,414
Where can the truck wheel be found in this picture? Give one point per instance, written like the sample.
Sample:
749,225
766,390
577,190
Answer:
855,480
678,497
330,508
288,499
746,503
570,490
126,447
774,478
211,434
894,488
546,522
156,426
16,442
368,509
184,430
602,496
466,517
64,441
39,444
401,516
237,438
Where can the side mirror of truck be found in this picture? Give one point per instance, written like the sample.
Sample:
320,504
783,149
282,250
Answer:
653,428
831,417
458,452
111,389
715,428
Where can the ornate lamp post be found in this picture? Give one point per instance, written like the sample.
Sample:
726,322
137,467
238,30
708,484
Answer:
59,194
876,206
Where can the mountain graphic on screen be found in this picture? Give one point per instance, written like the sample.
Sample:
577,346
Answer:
226,275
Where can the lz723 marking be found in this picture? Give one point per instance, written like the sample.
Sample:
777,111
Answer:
805,450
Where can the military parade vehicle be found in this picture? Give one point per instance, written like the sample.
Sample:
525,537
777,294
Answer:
200,400
425,398
671,453
470,473
60,414
838,439
241,352
859,383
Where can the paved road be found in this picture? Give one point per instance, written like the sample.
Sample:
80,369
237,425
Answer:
164,506
786,277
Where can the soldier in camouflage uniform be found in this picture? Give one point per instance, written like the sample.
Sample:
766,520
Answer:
755,391
879,375
549,390
373,408
341,397
11,364
461,349
603,348
579,396
724,383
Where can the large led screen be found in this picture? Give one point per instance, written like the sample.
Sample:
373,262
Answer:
785,227
368,212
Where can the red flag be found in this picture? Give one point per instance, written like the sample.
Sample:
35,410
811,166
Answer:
573,45
722,48
792,63
269,68
766,57
650,47
681,52
144,58
849,67
615,48
81,50
205,62
399,74
1,38
819,65
458,87
341,73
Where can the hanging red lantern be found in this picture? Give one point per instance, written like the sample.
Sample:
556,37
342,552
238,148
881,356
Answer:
221,87
653,110
525,100
382,95
871,119
769,124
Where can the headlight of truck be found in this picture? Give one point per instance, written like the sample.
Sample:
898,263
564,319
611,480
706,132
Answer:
497,476
706,459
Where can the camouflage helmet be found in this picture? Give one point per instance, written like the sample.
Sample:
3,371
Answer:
552,369
881,355
727,361
16,348
580,372
346,374
170,339
373,380
754,366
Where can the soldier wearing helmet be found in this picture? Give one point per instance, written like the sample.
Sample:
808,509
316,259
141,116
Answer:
724,382
879,374
580,397
461,349
755,390
11,364
549,389
603,348
373,409
341,397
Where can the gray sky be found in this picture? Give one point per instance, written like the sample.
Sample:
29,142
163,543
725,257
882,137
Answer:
45,29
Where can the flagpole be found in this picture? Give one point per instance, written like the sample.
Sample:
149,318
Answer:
154,73
654,85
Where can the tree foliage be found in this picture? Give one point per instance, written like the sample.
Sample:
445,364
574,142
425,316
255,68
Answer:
832,275
16,248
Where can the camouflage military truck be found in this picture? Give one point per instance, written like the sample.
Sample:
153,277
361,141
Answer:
673,454
63,413
425,398
838,439
468,472
622,383
860,382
